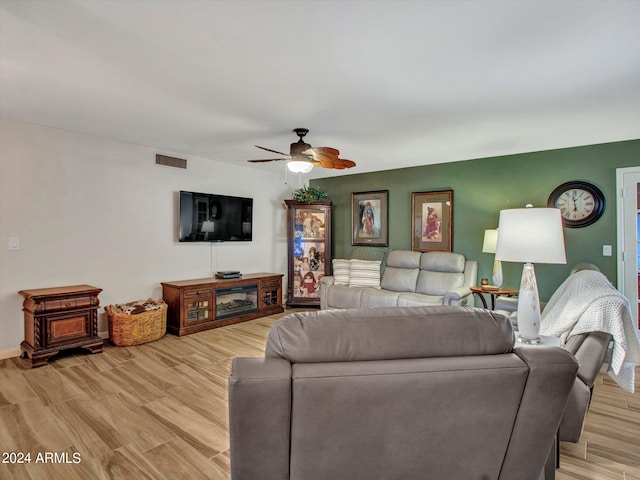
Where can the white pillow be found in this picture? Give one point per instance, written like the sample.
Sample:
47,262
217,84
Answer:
365,273
341,271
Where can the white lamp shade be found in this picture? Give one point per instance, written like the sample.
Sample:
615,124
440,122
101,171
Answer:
490,241
532,235
299,166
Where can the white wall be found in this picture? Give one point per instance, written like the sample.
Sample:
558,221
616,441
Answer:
90,210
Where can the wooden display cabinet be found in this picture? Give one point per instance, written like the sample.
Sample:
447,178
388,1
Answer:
309,250
201,304
60,318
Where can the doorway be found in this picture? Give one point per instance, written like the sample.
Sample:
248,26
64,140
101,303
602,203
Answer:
628,183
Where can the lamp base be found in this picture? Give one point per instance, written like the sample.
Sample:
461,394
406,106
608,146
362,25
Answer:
528,307
528,341
497,273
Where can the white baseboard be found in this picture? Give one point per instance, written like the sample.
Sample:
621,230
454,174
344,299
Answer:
10,353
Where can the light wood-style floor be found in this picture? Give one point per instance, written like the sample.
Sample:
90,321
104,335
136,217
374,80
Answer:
159,411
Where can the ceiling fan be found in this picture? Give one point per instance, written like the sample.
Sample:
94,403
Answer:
303,157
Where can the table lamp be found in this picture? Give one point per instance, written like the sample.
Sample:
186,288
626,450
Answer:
530,235
489,246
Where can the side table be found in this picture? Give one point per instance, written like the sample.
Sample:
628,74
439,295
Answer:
60,318
494,293
545,341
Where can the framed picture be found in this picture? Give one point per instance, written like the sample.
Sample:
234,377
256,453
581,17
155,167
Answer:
431,223
369,218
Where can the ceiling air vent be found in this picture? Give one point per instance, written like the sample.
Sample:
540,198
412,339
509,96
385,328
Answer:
170,161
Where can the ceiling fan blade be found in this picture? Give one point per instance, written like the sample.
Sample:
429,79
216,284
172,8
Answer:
267,160
326,163
328,150
272,151
320,156
319,151
338,164
348,163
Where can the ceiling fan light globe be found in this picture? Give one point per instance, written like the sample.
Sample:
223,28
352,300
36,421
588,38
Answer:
299,166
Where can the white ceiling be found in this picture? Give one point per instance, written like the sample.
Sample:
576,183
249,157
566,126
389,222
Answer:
389,83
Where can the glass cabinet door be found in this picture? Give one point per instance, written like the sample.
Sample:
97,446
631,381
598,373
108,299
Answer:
309,251
198,311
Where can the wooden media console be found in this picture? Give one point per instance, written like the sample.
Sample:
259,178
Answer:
201,304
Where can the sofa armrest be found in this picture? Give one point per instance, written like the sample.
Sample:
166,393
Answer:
325,283
259,412
456,296
590,350
552,373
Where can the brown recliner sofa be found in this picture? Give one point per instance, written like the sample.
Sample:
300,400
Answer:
396,393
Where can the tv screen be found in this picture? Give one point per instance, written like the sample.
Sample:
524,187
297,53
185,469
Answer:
206,217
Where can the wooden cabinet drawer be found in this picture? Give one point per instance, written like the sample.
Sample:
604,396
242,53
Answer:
197,293
270,283
67,303
82,302
59,304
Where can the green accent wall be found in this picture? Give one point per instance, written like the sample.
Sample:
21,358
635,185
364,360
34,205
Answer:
483,187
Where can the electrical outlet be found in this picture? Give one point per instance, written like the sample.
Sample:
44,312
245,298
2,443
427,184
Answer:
606,250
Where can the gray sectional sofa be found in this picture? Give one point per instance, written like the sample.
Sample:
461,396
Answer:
409,279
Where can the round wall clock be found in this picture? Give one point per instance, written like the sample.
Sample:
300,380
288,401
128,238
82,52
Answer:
580,203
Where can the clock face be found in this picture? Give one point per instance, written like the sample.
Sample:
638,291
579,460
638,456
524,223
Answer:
575,204
580,203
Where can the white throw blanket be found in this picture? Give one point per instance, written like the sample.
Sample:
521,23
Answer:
587,302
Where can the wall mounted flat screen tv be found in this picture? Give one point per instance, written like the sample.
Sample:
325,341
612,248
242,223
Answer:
206,217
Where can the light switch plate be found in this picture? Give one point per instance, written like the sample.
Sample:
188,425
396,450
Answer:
606,250
14,243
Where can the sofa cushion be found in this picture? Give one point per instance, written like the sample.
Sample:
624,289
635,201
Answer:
379,298
442,262
365,273
341,271
400,279
381,420
388,333
343,296
409,299
438,283
403,259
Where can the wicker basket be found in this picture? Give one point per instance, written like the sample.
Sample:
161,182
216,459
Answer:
126,330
